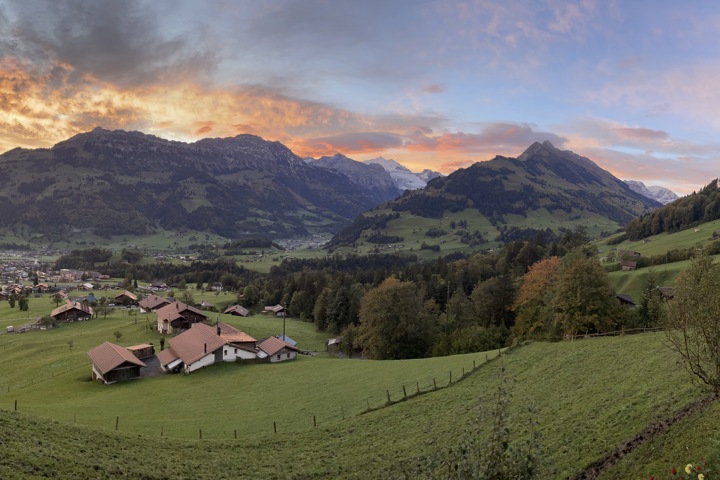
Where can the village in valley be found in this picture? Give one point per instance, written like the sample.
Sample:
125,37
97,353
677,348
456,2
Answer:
191,335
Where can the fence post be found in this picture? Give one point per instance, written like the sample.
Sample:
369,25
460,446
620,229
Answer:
314,421
117,422
417,384
16,405
235,433
404,393
274,427
388,395
450,377
434,385
161,431
474,367
200,431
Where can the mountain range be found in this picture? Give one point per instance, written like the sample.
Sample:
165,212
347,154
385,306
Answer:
542,188
661,194
117,182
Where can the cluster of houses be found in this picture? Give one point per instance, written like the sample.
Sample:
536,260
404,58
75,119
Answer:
196,343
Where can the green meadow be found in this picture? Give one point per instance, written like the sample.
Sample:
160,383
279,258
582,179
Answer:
591,395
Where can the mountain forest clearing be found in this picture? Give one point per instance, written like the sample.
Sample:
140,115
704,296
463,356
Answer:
591,395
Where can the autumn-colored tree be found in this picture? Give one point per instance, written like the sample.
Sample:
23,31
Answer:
392,324
583,300
533,304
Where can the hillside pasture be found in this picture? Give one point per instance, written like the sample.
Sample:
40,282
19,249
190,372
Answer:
591,395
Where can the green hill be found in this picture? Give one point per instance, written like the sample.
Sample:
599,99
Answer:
542,191
591,395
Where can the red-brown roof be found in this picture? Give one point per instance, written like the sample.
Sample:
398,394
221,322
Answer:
151,302
176,310
238,309
232,334
107,356
166,357
129,295
273,345
193,344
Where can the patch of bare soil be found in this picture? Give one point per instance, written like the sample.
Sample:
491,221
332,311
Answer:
595,469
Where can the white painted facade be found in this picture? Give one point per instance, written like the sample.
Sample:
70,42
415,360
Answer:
232,353
206,360
283,355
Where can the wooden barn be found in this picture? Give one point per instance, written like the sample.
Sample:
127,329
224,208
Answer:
72,312
112,363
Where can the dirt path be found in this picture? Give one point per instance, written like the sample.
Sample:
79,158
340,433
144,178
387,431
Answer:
595,469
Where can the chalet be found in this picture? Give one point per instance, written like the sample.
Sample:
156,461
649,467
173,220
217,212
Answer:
41,287
628,265
203,345
125,298
216,287
628,254
274,350
112,363
237,310
143,350
72,312
178,316
152,303
625,299
158,287
85,286
277,310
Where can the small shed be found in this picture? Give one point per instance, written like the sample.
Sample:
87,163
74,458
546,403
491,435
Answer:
112,363
143,350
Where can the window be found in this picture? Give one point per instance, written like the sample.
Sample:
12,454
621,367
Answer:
278,357
225,352
236,351
288,355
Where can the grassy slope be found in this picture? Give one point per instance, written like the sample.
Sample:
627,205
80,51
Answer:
591,394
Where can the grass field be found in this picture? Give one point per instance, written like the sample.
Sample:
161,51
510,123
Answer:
591,396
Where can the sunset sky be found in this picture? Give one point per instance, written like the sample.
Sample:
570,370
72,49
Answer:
633,85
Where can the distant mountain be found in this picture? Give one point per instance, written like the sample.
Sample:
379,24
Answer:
373,179
403,177
118,182
548,187
427,175
661,194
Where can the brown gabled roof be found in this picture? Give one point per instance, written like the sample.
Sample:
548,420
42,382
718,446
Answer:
151,302
232,334
273,345
70,305
193,344
129,295
175,310
239,309
107,356
166,356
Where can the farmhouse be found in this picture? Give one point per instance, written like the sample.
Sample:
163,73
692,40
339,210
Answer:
112,363
72,312
278,310
628,265
237,310
178,316
203,345
152,303
273,350
125,298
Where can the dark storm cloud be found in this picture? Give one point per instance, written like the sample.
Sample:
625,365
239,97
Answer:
118,41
